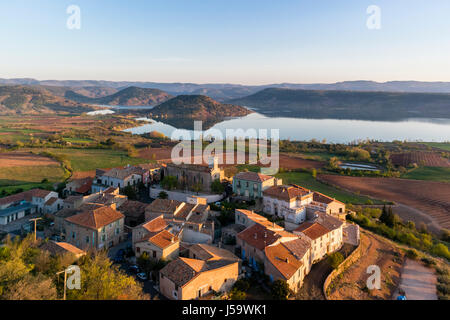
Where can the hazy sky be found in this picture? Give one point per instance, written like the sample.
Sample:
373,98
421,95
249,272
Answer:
235,41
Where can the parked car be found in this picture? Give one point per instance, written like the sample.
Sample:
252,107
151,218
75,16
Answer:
142,276
134,269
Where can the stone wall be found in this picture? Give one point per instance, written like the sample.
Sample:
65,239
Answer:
181,196
351,259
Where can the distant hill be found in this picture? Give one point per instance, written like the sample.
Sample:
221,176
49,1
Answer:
224,91
32,100
347,104
131,96
181,110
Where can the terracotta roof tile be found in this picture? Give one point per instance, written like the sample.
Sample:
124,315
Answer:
57,248
319,197
164,206
155,225
183,270
283,260
286,193
312,230
252,176
96,218
260,237
162,239
24,196
51,201
208,252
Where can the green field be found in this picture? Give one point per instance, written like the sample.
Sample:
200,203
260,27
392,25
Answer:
429,173
440,145
91,159
78,140
27,177
306,180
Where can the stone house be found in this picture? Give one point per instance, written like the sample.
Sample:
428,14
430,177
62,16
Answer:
289,261
190,175
251,185
187,279
97,228
325,232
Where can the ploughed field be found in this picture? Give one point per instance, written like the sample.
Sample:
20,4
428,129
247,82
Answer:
27,170
429,197
427,159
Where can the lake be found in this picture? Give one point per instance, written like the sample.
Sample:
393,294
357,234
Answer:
332,130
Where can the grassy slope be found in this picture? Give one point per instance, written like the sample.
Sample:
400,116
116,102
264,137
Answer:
91,159
306,180
429,173
440,145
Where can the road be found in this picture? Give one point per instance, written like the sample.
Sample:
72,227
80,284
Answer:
418,282
148,286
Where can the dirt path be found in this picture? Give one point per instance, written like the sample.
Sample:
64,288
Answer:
418,282
375,251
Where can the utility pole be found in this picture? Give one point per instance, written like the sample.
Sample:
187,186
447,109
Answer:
65,281
35,222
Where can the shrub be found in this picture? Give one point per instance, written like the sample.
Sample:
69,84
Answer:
443,279
443,289
412,254
280,290
441,250
242,285
236,294
428,261
335,259
163,195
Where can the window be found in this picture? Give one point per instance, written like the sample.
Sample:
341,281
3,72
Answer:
154,254
138,249
87,239
175,294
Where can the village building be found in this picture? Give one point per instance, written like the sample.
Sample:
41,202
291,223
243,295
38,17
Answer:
120,178
325,232
210,253
253,241
97,228
250,185
191,176
293,203
134,212
154,237
187,279
62,248
79,187
190,218
160,246
35,201
288,261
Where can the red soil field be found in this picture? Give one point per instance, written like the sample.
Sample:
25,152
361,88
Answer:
429,197
428,159
18,159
